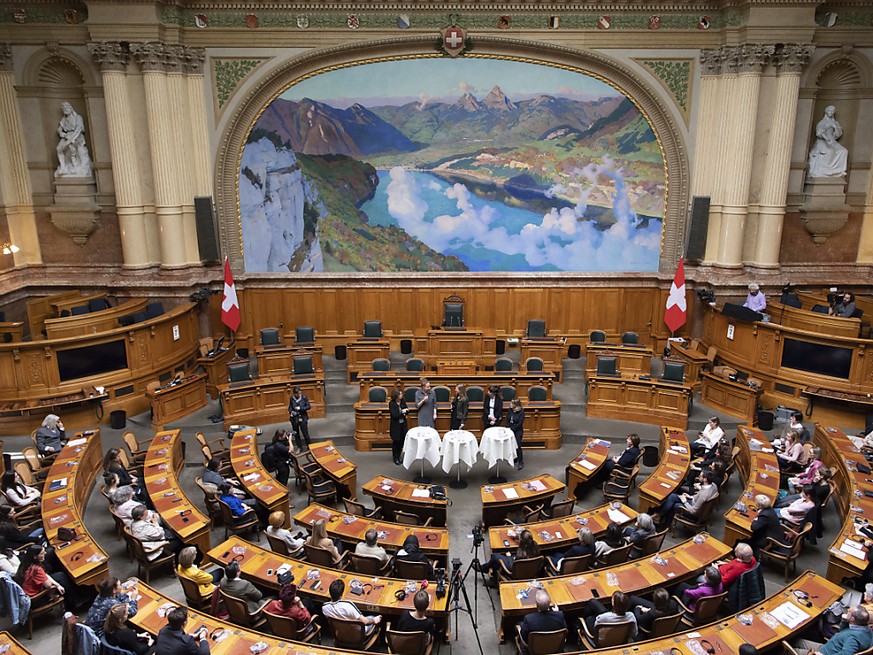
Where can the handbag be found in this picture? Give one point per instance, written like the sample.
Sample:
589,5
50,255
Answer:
66,534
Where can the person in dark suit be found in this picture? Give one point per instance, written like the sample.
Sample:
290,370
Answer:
172,639
766,524
545,619
492,407
647,611
460,406
298,411
397,428
515,422
624,460
243,589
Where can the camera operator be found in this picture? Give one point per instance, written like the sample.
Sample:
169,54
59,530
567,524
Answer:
298,409
844,307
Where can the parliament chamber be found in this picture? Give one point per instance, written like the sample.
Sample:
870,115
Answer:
532,249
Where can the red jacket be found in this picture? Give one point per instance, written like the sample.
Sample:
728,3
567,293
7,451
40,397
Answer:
732,570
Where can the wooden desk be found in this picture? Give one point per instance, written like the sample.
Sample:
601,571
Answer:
79,462
61,304
177,401
255,562
252,475
500,500
645,401
673,467
15,330
12,647
362,353
858,402
350,529
760,469
521,382
339,469
39,309
810,321
265,400
840,453
734,398
391,495
457,367
694,361
163,462
630,360
279,360
470,344
93,322
571,592
586,464
550,350
542,424
561,533
216,370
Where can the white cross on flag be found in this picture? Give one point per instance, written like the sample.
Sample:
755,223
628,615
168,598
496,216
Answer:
229,304
676,311
453,40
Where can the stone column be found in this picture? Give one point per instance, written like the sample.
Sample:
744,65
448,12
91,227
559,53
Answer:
199,156
14,175
744,64
706,146
113,61
789,62
151,58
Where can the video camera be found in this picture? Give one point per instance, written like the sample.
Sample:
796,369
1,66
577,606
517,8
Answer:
706,295
478,535
441,581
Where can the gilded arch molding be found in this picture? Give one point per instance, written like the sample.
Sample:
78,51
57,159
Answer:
273,83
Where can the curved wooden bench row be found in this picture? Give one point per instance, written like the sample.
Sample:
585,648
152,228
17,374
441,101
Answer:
390,494
252,475
672,468
587,464
761,472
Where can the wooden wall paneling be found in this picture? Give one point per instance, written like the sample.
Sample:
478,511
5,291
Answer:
637,312
528,304
323,311
8,373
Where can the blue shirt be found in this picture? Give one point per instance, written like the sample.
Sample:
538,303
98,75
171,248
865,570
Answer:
236,506
97,614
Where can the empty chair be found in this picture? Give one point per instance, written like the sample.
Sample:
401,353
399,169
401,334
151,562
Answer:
359,509
98,304
304,335
537,394
615,557
125,320
409,394
414,364
570,565
372,329
238,372
475,394
747,590
381,365
138,317
597,336
377,395
443,395
408,518
503,364
607,366
536,328
303,365
507,393
786,554
154,309
791,300
533,364
270,337
630,338
674,371
78,310
821,309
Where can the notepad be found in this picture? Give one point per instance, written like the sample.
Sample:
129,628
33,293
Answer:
790,615
77,442
510,493
853,549
617,516
536,485
420,493
587,464
58,484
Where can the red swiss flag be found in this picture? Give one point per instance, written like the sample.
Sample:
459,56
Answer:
229,304
676,311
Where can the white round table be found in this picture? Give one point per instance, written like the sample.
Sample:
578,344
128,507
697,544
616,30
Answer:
498,443
459,446
421,443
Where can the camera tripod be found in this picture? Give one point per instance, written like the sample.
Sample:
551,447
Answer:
456,590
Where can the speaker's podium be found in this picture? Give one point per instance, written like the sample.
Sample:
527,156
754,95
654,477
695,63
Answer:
177,399
741,313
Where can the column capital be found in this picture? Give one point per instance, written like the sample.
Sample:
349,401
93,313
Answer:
5,57
793,57
754,56
109,55
174,57
194,59
150,56
710,60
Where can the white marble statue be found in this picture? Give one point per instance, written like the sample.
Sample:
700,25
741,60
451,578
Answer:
828,158
72,151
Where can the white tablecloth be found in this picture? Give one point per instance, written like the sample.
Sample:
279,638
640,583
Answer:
421,443
498,443
459,446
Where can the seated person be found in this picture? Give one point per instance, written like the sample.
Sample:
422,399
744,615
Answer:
417,620
16,492
845,307
642,529
755,299
585,546
722,453
187,568
793,455
239,509
856,637
370,548
527,548
123,502
34,579
109,594
173,640
692,485
291,606
612,539
146,526
708,438
411,552
11,536
646,611
820,489
691,505
213,478
731,570
625,460
345,610
238,588
277,530
547,618
50,437
807,475
110,484
710,586
9,561
796,423
118,633
112,464
320,539
596,613
765,525
796,512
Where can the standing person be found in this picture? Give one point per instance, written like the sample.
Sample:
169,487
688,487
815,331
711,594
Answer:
460,405
281,456
50,436
298,409
492,408
398,410
755,300
172,639
515,422
425,402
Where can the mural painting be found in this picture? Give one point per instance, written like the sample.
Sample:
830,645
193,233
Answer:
435,164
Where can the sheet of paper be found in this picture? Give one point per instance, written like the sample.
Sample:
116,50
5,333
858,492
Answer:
617,516
849,548
77,442
790,615
586,464
420,493
510,493
537,485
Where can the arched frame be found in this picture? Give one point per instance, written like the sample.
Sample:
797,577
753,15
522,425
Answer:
644,95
